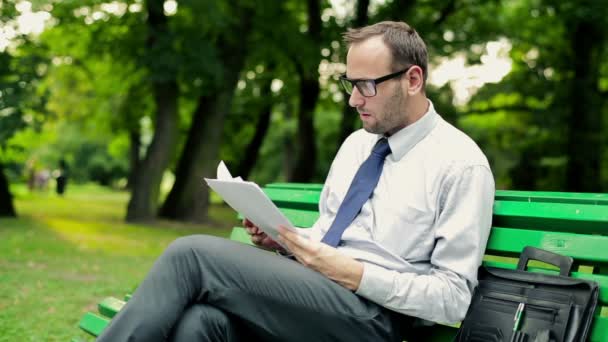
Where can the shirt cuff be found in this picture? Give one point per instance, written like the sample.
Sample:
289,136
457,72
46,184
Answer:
376,283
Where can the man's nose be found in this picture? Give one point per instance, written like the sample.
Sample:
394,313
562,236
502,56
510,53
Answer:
356,99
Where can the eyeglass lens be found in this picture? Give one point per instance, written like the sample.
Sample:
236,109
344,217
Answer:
365,87
347,85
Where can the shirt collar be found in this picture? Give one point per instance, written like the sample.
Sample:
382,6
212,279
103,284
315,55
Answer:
405,139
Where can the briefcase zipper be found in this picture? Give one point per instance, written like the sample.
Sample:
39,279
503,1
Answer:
536,310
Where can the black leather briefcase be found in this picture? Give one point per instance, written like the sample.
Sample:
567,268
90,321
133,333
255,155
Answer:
521,306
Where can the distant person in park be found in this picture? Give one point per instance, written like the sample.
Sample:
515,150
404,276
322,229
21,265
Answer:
37,179
42,179
61,176
30,171
404,219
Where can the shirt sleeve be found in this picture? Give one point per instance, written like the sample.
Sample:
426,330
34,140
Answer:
462,227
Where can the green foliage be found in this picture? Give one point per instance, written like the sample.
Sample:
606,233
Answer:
20,104
91,155
90,69
536,97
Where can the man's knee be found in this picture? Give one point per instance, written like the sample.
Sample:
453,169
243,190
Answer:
190,241
187,244
201,322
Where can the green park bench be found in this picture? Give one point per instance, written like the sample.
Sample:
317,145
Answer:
572,224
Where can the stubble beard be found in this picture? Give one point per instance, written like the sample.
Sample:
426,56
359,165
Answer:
392,114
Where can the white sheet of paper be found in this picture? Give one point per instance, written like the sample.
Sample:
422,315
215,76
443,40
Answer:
248,199
224,174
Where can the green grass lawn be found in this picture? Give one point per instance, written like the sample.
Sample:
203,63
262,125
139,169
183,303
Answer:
62,255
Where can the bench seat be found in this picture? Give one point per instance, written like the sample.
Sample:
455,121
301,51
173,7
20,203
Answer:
572,224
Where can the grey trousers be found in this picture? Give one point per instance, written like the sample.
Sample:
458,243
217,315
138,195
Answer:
204,288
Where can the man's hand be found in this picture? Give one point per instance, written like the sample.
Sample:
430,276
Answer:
325,259
259,238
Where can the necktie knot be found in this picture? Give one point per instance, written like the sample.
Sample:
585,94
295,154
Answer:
382,148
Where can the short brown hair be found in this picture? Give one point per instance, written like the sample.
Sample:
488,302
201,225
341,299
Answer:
402,40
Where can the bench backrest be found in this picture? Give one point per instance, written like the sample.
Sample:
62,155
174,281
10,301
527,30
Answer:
572,224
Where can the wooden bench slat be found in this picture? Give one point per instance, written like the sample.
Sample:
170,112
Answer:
110,306
579,246
297,199
306,217
599,329
553,197
296,186
512,195
93,324
303,218
566,217
572,212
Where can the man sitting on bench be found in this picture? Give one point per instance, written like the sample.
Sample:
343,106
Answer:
405,215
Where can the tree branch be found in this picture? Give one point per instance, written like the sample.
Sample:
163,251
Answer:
510,108
448,10
362,13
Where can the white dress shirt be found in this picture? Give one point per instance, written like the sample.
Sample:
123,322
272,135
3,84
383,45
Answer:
422,234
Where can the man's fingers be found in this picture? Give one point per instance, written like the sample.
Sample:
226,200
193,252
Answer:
292,237
253,230
248,224
292,240
257,239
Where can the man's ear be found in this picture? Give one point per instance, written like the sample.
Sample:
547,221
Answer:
415,76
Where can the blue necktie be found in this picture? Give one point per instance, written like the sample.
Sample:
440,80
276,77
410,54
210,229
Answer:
359,192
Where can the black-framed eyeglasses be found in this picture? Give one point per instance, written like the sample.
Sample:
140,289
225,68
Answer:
367,87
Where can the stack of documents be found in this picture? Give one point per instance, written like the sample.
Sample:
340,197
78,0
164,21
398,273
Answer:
248,199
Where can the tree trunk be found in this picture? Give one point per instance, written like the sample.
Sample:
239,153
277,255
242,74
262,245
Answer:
361,16
306,154
188,200
6,199
349,116
134,160
288,143
396,10
347,124
179,203
146,186
585,122
261,128
528,170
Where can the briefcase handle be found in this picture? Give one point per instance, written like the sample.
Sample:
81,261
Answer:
532,253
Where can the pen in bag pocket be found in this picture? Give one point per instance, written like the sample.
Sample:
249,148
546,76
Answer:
517,319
